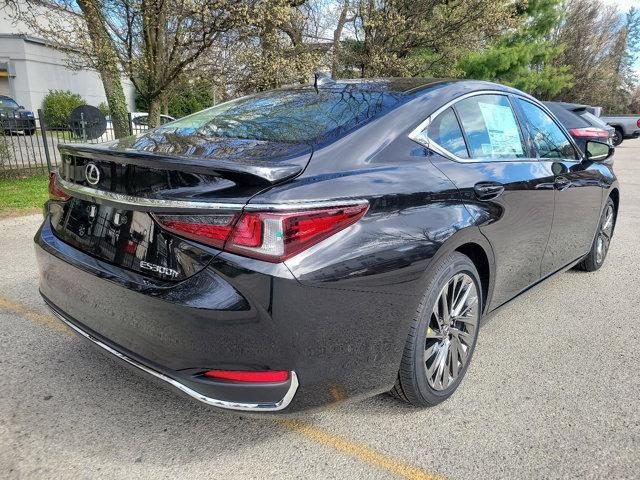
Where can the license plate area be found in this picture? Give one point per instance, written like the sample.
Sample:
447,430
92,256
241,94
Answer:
127,238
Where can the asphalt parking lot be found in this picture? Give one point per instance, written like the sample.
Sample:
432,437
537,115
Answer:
553,392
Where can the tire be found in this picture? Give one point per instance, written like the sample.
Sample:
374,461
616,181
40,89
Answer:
618,136
419,381
30,131
600,246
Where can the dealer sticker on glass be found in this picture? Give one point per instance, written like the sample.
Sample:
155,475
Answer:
504,137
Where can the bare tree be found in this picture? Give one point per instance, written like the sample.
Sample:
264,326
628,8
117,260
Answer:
596,48
160,41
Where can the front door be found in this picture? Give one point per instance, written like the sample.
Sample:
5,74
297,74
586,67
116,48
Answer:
577,186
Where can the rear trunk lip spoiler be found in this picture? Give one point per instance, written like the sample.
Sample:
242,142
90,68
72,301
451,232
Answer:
166,205
269,173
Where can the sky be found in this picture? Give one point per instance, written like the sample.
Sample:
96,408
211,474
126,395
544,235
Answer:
624,6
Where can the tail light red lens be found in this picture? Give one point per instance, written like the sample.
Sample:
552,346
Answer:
254,377
271,236
638,123
589,132
54,192
210,229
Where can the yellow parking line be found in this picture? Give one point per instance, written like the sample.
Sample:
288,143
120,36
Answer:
356,450
361,452
32,314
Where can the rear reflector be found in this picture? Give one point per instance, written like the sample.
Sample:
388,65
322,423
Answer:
589,132
255,377
270,236
54,192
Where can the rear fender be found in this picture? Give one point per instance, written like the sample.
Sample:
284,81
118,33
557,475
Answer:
468,236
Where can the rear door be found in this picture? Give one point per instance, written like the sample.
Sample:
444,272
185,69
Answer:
510,193
577,186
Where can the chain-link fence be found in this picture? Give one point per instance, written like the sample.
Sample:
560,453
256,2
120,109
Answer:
28,146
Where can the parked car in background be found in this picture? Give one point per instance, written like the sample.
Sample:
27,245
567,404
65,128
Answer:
626,126
15,118
581,123
140,121
265,253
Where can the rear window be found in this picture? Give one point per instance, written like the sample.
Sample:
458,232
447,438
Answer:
295,115
593,120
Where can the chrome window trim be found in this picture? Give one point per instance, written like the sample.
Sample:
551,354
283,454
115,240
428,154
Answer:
251,407
416,133
165,205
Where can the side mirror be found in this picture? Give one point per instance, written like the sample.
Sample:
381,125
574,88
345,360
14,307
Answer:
21,107
599,151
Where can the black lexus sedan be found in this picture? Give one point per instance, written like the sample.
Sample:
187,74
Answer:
14,117
298,247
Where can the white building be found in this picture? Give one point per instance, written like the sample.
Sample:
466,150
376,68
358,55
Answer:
29,68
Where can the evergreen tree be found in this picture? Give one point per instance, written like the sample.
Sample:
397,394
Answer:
523,57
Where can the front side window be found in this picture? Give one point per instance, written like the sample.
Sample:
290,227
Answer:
548,139
445,131
491,127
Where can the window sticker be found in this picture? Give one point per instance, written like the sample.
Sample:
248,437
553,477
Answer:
504,137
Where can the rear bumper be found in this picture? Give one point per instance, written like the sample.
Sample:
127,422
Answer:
235,314
190,390
18,123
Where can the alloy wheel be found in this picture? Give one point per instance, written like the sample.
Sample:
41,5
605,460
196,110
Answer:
451,331
605,234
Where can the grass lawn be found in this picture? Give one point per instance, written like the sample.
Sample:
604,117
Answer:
23,195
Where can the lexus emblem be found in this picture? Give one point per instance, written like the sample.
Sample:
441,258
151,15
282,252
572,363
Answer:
92,173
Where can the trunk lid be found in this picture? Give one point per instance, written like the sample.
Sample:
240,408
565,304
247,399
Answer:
116,186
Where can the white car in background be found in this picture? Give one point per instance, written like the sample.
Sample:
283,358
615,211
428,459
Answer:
140,121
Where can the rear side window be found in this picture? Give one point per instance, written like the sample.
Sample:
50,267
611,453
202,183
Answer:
548,139
593,120
491,127
446,132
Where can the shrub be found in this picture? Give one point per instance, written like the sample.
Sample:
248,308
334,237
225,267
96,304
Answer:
188,97
58,105
104,108
193,98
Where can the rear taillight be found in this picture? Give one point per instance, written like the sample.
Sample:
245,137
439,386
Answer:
271,236
56,193
248,376
638,123
589,132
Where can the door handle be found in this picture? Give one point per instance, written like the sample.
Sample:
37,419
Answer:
488,190
561,183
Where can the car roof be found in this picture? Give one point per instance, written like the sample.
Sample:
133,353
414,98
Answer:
407,86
